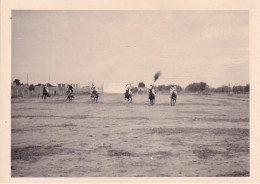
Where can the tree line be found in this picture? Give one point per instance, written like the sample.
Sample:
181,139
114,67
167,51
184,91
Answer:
200,87
31,87
205,88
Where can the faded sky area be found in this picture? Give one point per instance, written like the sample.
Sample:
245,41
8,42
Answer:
131,46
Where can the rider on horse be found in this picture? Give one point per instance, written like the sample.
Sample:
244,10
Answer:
152,93
45,91
70,91
128,90
173,92
152,90
93,90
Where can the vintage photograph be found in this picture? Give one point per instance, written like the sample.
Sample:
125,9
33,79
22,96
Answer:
130,93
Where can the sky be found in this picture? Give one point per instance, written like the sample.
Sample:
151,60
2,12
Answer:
131,46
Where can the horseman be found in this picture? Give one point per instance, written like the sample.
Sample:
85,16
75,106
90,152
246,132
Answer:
173,92
93,90
128,90
152,93
45,91
152,90
70,91
94,93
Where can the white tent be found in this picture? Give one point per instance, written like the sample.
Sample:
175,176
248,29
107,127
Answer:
110,87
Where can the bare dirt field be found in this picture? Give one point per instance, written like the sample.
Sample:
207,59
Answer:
201,136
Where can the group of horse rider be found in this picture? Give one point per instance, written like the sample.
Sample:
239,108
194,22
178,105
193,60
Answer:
128,92
152,93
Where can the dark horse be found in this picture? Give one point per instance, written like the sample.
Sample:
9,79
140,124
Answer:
128,96
151,97
94,95
45,93
173,98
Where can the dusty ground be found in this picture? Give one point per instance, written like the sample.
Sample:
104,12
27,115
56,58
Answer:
200,136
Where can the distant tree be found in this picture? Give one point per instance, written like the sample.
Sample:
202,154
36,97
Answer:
197,87
179,88
17,82
167,88
238,89
134,90
31,87
247,88
202,86
164,87
141,85
223,89
194,87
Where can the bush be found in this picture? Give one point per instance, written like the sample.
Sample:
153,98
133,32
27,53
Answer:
223,89
17,82
31,87
197,87
141,85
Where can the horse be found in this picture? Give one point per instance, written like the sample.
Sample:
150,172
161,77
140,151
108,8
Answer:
94,95
128,96
70,95
151,97
173,98
45,95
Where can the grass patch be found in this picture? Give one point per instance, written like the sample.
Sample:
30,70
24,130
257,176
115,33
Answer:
220,119
206,153
212,131
17,130
235,174
119,153
34,153
61,125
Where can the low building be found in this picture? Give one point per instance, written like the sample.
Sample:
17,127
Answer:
64,85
